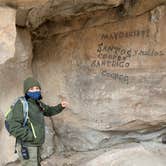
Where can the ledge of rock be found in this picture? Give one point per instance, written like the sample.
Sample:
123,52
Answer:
34,13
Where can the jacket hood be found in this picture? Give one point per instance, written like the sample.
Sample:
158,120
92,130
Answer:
29,83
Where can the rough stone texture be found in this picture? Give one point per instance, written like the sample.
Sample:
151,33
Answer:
8,33
12,72
33,13
54,10
23,3
114,78
107,64
133,155
145,154
142,6
122,92
7,49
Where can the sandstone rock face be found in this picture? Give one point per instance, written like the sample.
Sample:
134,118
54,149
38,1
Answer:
134,155
109,65
34,13
24,3
8,33
16,55
113,76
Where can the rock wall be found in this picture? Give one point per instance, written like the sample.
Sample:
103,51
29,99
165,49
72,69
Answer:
109,65
114,78
16,55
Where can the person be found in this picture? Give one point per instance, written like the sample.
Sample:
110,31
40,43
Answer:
31,137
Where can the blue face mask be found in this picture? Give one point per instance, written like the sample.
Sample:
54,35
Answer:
34,95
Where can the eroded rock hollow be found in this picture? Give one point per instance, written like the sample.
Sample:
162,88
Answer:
107,58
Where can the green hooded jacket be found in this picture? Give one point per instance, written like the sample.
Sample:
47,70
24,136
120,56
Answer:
33,134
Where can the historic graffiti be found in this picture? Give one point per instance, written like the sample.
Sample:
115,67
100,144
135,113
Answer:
123,78
128,34
109,63
105,51
112,56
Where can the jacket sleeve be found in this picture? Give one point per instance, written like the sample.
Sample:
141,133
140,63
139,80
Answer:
16,124
51,110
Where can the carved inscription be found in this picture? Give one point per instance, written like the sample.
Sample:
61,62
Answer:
128,34
110,56
123,78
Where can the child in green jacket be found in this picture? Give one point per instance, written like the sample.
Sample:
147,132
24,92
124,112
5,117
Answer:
31,136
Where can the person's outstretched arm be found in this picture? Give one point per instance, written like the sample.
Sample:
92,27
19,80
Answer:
53,110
